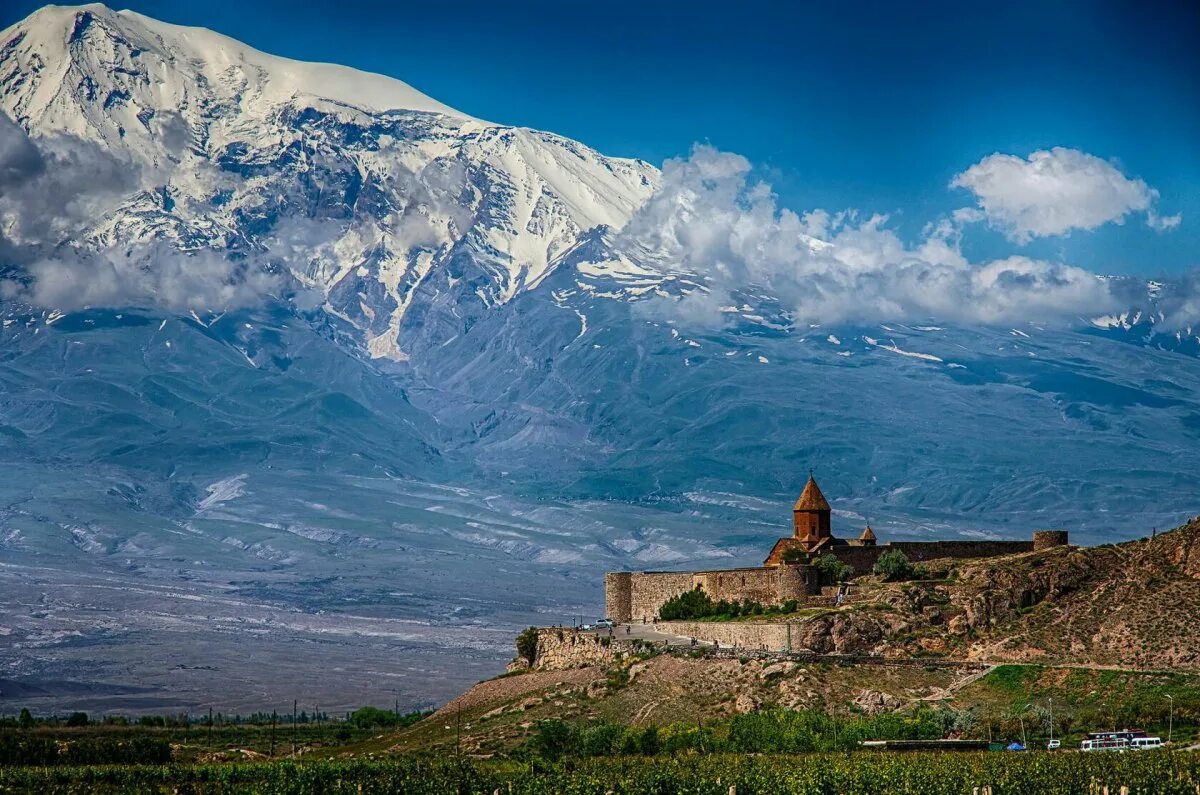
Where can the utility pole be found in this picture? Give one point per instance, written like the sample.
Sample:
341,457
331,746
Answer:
458,733
1170,716
1051,719
210,723
272,733
293,727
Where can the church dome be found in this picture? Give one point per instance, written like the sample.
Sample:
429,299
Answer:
811,499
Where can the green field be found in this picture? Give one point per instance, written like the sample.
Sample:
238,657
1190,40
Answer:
864,773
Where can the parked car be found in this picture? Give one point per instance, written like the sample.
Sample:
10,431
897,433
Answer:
605,622
1053,745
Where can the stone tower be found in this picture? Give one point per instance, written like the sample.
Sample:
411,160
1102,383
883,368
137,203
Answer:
810,517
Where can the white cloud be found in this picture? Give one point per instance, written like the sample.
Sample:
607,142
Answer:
1054,192
1162,223
709,218
155,277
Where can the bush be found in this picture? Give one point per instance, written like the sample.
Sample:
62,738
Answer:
554,738
894,566
374,717
527,643
599,740
689,604
834,569
794,555
77,719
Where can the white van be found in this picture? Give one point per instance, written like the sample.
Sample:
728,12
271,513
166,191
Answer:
1145,743
1107,744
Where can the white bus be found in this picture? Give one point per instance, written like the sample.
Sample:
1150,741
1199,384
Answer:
1145,743
1106,744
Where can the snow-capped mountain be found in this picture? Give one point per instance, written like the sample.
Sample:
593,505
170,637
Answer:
237,149
363,366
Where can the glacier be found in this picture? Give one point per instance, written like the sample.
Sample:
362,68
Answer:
446,404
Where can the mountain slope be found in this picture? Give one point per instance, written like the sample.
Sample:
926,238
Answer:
305,336
237,149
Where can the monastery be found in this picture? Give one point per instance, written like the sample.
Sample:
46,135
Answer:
789,571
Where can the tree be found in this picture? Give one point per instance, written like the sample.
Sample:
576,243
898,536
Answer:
26,719
894,566
834,569
77,719
794,555
554,738
372,717
689,604
527,645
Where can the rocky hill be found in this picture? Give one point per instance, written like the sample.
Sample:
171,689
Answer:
1106,632
1128,605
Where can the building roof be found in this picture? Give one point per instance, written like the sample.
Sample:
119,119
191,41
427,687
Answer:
868,535
811,499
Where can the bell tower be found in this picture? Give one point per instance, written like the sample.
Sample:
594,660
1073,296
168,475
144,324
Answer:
810,516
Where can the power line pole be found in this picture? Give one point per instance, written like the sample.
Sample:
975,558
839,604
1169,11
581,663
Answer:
293,727
1170,716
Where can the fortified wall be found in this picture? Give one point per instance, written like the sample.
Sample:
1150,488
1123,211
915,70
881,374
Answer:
637,596
788,572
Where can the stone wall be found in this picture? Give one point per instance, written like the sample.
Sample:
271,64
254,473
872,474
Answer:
729,634
618,596
651,589
863,559
1048,539
560,649
637,596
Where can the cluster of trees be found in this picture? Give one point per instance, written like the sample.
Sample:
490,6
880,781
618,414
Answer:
768,731
697,604
37,749
893,564
375,718
365,717
832,569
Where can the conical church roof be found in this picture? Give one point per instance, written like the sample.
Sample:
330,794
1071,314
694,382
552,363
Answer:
868,535
811,499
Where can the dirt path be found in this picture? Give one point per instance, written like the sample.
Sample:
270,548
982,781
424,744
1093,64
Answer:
507,688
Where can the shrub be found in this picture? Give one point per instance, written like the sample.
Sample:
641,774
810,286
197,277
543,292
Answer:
794,555
527,643
554,738
689,604
894,566
834,569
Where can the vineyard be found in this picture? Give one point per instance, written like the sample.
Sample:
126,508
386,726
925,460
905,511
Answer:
1144,773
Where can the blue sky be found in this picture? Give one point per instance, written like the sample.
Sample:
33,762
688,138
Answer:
869,105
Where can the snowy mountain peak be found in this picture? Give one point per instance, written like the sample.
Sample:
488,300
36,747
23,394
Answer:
372,194
135,53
